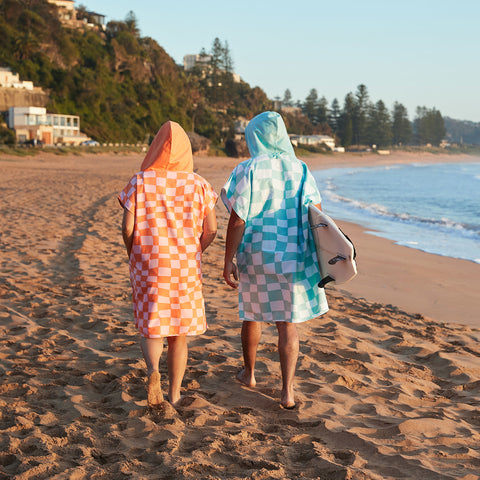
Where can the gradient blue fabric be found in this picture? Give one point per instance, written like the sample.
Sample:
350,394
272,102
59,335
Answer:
266,135
277,263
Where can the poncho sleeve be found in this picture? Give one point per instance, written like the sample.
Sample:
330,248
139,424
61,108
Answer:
310,192
128,196
237,191
210,198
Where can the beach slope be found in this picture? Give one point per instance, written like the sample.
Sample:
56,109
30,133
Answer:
383,393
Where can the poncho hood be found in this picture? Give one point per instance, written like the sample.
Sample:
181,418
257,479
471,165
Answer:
170,150
266,134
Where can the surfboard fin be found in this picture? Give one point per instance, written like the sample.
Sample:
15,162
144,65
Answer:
336,259
324,281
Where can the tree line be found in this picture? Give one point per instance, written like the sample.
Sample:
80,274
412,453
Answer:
360,121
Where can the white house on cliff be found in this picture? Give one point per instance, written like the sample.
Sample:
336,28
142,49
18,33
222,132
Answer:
34,123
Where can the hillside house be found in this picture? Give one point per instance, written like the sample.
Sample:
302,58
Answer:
202,62
96,19
291,110
313,140
240,124
67,14
34,123
12,80
192,61
66,11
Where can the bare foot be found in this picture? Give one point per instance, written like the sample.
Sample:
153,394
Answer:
174,399
248,380
175,402
154,390
288,399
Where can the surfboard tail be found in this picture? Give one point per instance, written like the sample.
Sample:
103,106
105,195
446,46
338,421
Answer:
335,251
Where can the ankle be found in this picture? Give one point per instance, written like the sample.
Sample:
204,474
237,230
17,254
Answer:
174,397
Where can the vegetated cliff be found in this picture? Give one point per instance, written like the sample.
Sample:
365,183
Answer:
122,85
462,131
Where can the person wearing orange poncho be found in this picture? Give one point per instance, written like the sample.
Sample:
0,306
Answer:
169,220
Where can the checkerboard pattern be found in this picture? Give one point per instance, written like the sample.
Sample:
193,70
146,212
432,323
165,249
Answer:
165,263
278,274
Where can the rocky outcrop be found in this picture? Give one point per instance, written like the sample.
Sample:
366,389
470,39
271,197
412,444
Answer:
14,97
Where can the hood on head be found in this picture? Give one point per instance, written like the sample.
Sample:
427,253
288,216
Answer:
170,150
266,134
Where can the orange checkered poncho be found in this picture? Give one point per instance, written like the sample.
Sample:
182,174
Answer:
170,203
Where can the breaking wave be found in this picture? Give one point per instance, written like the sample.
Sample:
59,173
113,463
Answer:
434,208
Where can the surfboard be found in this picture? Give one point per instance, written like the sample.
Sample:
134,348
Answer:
335,252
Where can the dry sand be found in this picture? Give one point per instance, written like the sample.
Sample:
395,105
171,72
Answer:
383,392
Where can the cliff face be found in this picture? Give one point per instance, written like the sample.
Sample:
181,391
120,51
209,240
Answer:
14,97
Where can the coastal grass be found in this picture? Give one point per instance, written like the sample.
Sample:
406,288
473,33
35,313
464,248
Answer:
22,151
450,150
215,151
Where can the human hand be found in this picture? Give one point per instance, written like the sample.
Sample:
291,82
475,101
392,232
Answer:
230,269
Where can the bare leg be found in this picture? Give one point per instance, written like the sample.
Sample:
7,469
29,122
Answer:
251,334
177,363
152,351
288,347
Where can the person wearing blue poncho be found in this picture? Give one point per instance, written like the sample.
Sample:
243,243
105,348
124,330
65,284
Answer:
268,231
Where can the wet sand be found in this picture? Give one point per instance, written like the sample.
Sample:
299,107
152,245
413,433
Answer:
443,288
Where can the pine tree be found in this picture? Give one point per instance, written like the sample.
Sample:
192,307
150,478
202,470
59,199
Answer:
216,63
132,24
346,120
439,131
347,132
401,125
360,115
379,125
287,98
309,107
321,113
227,59
227,75
334,115
429,126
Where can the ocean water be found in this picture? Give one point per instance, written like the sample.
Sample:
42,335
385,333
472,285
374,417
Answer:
430,207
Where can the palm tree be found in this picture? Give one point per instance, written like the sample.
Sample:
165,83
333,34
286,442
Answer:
25,46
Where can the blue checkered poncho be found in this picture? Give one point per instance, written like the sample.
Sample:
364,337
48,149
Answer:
278,274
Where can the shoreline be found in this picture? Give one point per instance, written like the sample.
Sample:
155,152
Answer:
376,225
422,283
373,160
419,282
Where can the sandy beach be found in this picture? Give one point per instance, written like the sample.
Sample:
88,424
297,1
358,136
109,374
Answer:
388,382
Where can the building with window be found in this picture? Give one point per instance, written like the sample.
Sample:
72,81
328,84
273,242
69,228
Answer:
192,61
66,11
203,63
313,140
34,123
8,79
69,16
96,19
